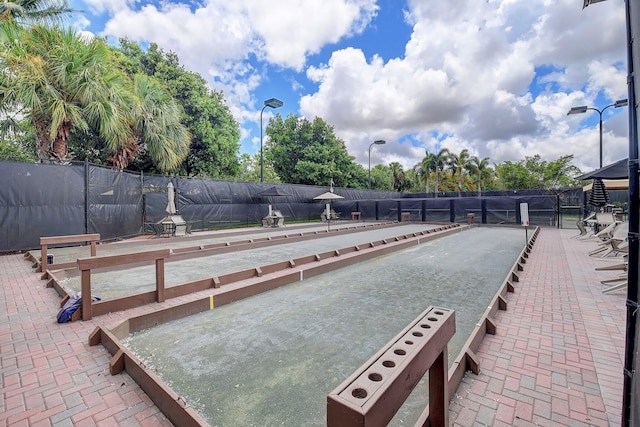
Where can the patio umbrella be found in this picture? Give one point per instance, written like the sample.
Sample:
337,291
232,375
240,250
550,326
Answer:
328,197
171,196
617,170
272,192
599,195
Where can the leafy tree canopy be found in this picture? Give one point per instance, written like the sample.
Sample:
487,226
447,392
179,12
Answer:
215,134
67,86
534,173
304,152
25,12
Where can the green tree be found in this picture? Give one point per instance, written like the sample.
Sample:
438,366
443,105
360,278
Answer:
480,169
68,85
381,178
424,168
17,144
439,162
156,126
25,12
60,82
534,173
250,170
215,134
398,177
459,165
304,152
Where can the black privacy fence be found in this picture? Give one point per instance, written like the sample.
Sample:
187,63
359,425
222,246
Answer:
39,200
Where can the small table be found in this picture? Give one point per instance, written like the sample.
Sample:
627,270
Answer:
355,216
406,217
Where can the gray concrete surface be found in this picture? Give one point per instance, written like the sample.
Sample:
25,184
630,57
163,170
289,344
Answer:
273,358
72,253
115,284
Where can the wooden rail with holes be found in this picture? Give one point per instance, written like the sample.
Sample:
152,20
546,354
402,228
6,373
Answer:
45,242
85,265
377,390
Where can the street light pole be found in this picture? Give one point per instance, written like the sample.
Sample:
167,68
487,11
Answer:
271,103
378,142
584,108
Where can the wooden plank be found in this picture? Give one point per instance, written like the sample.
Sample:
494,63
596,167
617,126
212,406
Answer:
91,263
70,238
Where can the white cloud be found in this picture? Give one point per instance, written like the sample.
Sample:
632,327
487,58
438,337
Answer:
468,71
466,79
292,29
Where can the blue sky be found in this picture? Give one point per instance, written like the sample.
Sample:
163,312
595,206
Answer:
496,77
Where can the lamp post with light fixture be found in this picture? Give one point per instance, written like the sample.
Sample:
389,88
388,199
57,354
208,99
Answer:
378,142
584,108
271,103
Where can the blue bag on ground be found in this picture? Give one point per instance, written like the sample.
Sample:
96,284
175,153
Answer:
70,307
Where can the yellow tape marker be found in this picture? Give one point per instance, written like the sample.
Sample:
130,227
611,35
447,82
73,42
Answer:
210,302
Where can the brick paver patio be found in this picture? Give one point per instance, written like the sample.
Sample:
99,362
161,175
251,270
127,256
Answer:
556,359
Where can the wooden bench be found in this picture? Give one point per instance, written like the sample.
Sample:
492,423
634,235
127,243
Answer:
61,240
355,216
85,265
406,217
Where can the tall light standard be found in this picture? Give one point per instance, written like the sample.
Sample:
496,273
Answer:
272,103
584,108
378,142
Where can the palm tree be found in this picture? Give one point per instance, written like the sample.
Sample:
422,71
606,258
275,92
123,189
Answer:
439,161
61,82
397,174
426,166
27,12
479,168
458,164
155,123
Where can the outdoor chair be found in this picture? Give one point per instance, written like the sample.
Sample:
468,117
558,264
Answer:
622,283
606,232
615,243
158,229
605,219
618,282
582,225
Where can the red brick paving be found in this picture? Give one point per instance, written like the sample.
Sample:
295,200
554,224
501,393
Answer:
556,359
557,356
50,375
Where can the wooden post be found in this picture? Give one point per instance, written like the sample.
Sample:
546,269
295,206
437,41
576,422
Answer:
160,280
43,259
439,391
86,294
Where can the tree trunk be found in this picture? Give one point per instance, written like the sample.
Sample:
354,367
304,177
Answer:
60,146
125,154
43,141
